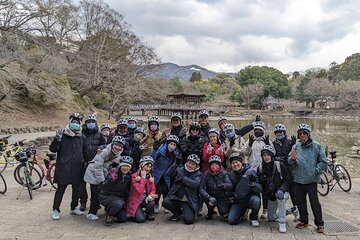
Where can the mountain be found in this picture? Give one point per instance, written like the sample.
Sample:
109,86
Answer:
171,70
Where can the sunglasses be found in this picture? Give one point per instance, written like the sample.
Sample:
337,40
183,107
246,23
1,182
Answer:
302,133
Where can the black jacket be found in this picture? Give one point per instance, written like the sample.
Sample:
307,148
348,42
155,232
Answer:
69,166
191,145
119,188
204,131
94,140
215,186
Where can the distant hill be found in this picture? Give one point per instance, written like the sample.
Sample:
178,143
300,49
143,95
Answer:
171,70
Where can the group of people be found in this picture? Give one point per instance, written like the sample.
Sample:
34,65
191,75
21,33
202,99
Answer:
130,170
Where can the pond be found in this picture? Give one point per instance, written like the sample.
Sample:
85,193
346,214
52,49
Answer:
338,135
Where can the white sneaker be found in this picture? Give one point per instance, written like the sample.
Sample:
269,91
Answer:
56,215
92,217
76,211
282,227
255,223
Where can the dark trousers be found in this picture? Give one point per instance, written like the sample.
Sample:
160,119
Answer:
161,189
60,193
94,201
140,215
222,206
292,193
83,193
117,209
308,189
180,207
265,199
238,209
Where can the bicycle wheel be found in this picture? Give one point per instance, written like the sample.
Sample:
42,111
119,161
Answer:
343,178
51,173
3,186
3,162
34,173
323,185
28,182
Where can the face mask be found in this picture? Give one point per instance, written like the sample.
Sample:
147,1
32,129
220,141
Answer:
230,134
258,134
215,168
281,137
74,126
91,125
171,148
132,125
106,133
153,127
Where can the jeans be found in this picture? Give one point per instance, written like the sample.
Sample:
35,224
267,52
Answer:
277,209
222,206
60,193
94,201
180,207
117,209
238,209
308,189
140,215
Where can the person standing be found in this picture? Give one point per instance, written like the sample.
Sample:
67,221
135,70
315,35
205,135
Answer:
203,119
309,160
152,137
69,144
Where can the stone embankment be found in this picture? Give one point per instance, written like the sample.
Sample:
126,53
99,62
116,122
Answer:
16,130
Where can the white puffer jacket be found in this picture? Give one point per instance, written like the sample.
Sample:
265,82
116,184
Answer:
98,168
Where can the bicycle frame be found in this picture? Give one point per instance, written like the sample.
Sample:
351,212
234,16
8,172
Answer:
45,171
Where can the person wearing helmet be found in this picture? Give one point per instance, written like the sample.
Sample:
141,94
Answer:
123,130
115,190
274,179
283,147
183,198
309,160
214,186
203,119
142,192
69,144
192,143
94,142
152,137
105,131
212,147
136,151
164,157
132,125
233,143
97,170
221,123
246,191
176,128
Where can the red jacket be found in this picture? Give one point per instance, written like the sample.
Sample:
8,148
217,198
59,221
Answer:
136,192
205,156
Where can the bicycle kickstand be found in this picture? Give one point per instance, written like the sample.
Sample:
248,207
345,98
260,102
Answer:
22,189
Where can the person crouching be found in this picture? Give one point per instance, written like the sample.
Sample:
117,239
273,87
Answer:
183,197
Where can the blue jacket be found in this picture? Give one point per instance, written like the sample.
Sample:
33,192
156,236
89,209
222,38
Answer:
310,162
240,181
162,163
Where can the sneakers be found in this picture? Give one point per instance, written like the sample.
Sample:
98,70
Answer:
320,229
301,225
282,227
264,214
175,217
255,223
296,214
92,217
108,220
156,209
56,215
82,207
76,211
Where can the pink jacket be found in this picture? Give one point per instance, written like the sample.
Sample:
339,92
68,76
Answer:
217,150
136,192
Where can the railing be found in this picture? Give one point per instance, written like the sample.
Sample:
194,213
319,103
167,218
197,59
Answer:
171,107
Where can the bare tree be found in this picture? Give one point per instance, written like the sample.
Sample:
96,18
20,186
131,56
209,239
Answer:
250,93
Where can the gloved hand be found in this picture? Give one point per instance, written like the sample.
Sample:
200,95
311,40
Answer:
279,194
58,134
257,118
212,201
232,142
143,174
251,140
232,197
293,139
210,148
178,160
252,180
266,140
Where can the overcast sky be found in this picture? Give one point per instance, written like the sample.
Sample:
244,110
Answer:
227,35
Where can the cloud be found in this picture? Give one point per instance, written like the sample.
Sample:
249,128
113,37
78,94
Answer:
230,34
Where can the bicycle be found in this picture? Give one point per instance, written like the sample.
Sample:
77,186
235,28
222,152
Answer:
28,178
47,173
7,154
3,186
333,174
